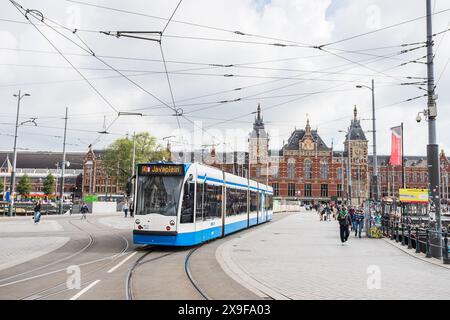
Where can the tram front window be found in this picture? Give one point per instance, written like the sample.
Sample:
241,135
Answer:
158,195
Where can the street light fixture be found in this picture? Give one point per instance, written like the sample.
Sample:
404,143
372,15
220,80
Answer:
13,172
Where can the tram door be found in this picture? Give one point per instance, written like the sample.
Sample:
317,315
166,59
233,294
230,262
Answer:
263,207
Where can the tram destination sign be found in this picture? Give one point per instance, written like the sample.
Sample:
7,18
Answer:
161,170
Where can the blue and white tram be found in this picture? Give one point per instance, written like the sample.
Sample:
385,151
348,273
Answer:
187,204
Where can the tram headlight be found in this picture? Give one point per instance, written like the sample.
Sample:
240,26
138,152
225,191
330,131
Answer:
172,223
138,221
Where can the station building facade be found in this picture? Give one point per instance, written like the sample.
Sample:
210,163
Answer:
306,169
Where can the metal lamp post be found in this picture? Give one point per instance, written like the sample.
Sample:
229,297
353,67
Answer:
349,173
13,172
376,191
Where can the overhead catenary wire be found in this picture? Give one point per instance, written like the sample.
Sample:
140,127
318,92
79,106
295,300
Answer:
18,7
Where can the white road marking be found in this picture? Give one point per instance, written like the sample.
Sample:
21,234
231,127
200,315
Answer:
75,297
121,263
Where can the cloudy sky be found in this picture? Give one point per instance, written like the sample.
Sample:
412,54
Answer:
223,58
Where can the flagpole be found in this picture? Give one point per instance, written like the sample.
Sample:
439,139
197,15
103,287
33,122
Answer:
403,162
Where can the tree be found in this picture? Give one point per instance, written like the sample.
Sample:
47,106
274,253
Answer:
119,155
24,186
49,185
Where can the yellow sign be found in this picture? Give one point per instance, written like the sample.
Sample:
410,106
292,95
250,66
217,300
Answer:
414,195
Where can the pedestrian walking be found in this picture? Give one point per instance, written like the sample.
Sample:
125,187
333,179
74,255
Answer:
358,219
37,212
125,209
328,212
351,212
84,209
132,209
344,223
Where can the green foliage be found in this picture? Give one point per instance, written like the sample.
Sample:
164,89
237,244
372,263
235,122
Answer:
49,184
119,155
24,186
1,186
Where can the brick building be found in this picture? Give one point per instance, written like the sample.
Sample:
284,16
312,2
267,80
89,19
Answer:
37,165
95,180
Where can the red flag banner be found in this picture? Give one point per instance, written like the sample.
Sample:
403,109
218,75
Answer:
396,146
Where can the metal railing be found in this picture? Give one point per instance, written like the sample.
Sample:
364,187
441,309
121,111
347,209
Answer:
26,209
422,239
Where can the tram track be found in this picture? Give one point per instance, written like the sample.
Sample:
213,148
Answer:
91,242
187,269
47,292
39,295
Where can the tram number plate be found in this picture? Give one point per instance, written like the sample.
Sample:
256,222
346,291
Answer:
162,170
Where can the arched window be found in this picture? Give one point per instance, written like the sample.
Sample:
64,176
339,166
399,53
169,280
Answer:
323,169
339,174
291,168
307,169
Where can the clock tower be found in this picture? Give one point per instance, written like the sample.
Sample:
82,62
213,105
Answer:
356,148
258,145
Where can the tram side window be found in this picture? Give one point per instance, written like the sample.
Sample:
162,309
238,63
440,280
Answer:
200,201
253,201
236,201
212,205
269,202
187,208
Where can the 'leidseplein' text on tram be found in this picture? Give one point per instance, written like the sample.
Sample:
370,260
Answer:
187,204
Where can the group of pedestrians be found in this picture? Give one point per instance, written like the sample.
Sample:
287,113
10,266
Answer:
350,219
83,210
127,208
326,211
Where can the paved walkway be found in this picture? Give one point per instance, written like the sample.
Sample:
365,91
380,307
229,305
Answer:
300,257
14,251
27,225
118,222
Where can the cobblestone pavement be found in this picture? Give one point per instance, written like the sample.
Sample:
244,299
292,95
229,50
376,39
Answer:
300,257
16,250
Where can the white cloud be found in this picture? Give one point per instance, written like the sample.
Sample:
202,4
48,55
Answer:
303,21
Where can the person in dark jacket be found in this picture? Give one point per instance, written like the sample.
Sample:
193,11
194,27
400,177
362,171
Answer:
358,219
37,212
345,221
84,209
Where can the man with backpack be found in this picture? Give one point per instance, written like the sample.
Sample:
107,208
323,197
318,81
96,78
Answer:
345,222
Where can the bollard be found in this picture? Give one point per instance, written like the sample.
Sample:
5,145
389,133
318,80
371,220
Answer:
417,240
409,237
428,247
445,259
403,235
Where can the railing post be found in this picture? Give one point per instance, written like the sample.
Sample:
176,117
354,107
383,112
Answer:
392,230
445,259
397,236
428,248
409,237
417,240
403,235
